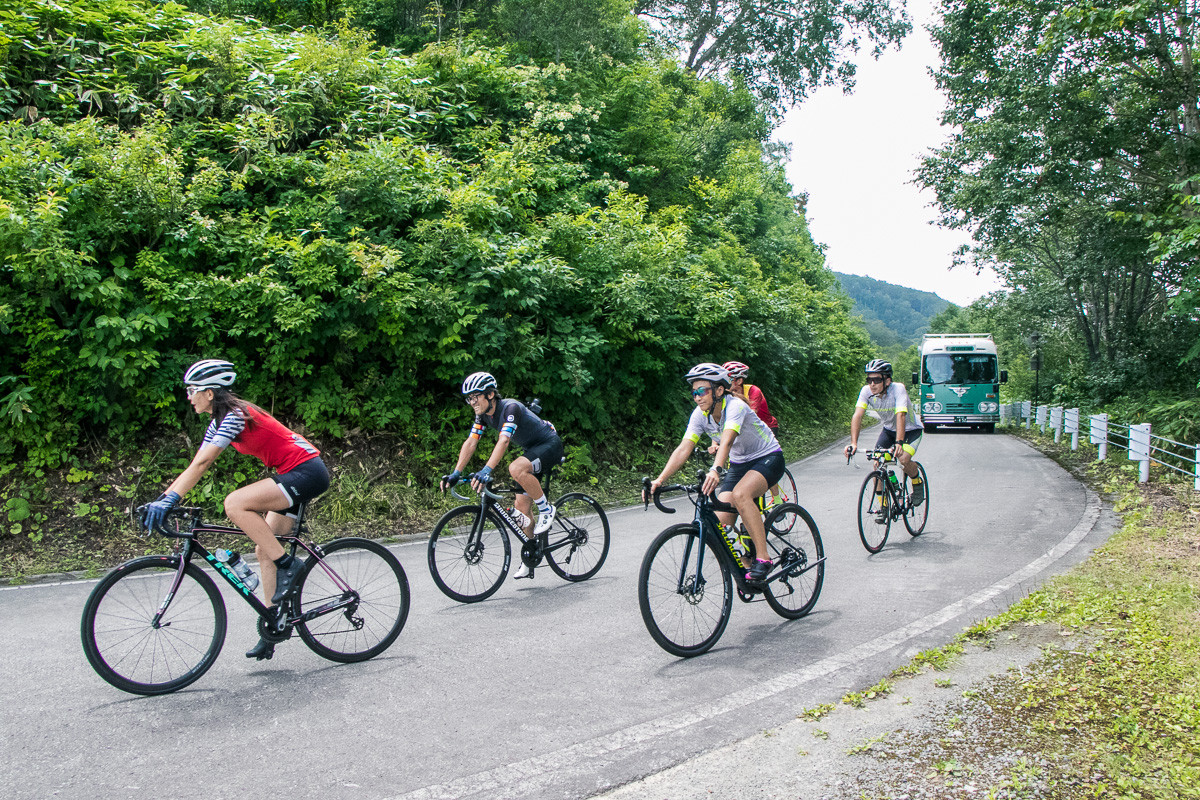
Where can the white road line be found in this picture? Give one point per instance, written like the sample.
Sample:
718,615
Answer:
529,773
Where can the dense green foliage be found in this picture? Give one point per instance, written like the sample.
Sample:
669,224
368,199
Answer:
357,229
894,316
1078,134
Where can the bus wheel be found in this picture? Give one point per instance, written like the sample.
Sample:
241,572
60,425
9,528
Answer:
930,428
988,427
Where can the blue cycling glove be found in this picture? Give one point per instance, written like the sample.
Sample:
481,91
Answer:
450,480
156,512
484,475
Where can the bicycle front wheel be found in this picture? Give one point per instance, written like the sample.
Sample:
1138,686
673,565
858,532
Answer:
686,601
468,554
124,646
917,514
581,521
370,575
874,516
795,546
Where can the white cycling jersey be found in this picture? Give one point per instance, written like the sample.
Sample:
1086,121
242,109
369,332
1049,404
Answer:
754,439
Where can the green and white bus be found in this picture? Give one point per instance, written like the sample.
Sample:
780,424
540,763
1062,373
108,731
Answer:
959,381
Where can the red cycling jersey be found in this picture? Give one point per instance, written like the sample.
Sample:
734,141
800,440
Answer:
263,437
758,402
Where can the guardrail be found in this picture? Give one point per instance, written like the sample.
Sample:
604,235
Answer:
1137,440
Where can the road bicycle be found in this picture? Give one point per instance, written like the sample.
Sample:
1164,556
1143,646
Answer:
156,624
470,550
884,497
687,577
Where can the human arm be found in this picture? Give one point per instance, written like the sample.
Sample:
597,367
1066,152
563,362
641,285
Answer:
157,511
485,472
712,477
678,457
898,447
464,455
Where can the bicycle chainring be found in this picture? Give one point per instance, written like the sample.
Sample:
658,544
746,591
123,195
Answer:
269,634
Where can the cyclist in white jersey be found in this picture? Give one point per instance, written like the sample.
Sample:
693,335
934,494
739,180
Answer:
902,428
746,444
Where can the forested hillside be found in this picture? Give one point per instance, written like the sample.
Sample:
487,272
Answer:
358,227
894,316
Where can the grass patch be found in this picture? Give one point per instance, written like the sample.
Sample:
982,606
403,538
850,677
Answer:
1114,711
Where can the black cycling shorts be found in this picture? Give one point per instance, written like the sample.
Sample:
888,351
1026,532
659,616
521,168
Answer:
887,438
302,484
545,455
771,466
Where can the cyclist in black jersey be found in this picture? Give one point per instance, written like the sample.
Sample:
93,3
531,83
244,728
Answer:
515,422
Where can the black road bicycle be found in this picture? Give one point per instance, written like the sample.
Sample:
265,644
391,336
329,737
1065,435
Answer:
157,623
885,497
686,582
470,550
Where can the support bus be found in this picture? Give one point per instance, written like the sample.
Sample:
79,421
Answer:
959,381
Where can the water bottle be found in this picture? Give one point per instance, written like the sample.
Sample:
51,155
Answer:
239,567
893,480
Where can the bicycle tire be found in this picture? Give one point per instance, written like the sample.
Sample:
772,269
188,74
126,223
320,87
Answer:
581,519
794,544
685,624
367,629
787,492
915,518
874,534
466,567
126,651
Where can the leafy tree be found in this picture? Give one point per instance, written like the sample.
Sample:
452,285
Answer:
780,49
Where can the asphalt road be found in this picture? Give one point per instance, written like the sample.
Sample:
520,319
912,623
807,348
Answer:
548,689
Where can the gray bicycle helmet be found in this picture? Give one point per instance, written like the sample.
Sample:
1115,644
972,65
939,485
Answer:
211,373
880,366
708,371
477,382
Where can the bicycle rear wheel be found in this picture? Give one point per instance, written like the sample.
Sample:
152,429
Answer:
685,605
874,516
368,572
468,554
916,516
127,651
794,544
582,521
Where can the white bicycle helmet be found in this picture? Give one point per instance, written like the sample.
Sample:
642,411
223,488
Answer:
478,382
736,369
211,373
708,371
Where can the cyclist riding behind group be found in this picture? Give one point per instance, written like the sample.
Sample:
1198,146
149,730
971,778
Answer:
758,402
902,427
266,508
515,422
745,443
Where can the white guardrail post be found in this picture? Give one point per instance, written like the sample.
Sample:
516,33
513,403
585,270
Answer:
1072,427
1098,434
1056,422
1027,411
1043,417
1139,449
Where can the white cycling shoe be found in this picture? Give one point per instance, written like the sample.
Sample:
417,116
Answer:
544,520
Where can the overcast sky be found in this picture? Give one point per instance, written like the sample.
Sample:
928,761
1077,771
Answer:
855,155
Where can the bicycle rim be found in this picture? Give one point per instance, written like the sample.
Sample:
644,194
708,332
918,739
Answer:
873,533
795,546
380,589
916,517
581,520
468,556
685,611
127,651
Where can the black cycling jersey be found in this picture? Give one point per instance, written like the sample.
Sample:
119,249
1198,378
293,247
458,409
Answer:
515,420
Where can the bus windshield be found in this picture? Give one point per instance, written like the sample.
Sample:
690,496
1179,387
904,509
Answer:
964,368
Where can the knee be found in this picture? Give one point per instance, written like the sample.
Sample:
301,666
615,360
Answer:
232,506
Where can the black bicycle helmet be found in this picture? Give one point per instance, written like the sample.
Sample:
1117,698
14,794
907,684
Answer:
880,366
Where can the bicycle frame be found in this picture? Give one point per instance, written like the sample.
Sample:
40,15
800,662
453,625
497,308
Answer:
489,499
278,620
884,463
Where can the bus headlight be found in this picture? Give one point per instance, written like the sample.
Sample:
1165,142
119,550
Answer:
932,408
988,407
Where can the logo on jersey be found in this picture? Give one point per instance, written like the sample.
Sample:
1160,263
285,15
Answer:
510,418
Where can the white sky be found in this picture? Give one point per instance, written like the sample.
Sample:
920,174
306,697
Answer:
855,155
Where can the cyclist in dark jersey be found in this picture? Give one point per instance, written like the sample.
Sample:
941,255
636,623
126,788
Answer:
300,476
518,424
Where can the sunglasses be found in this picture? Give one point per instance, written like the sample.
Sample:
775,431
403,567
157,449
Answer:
192,391
700,392
875,380
471,398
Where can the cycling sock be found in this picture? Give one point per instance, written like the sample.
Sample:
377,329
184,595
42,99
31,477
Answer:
284,561
543,504
914,481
